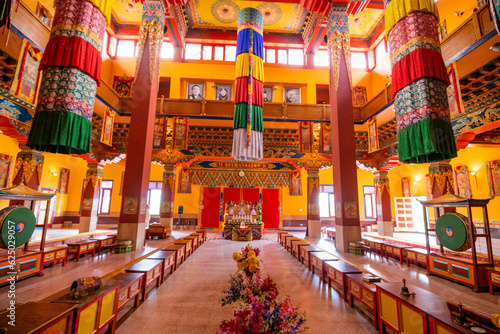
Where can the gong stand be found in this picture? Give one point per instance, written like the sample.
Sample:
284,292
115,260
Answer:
452,201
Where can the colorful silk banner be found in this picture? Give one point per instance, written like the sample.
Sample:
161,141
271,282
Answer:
326,138
107,127
71,72
123,85
419,81
453,91
373,144
180,135
27,77
306,138
248,119
358,96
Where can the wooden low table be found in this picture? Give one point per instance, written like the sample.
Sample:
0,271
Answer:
105,241
204,232
130,288
305,254
288,245
296,244
280,233
318,261
160,231
199,239
283,238
395,251
365,292
180,252
493,278
152,271
189,246
417,256
38,317
82,247
194,244
336,272
168,258
55,254
376,246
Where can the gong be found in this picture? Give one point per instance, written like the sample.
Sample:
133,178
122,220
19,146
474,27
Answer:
452,231
17,224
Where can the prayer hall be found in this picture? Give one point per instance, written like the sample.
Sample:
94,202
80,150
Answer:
249,166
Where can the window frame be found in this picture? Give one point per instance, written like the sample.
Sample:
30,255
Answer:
373,202
158,186
101,195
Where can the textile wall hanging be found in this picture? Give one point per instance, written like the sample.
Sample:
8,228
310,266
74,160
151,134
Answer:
493,170
180,136
419,81
107,126
231,178
406,186
26,79
453,92
372,135
358,96
4,169
123,85
296,184
306,139
159,132
495,12
62,188
71,72
184,181
462,182
248,122
326,138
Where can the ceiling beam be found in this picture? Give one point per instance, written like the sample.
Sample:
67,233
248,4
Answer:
173,33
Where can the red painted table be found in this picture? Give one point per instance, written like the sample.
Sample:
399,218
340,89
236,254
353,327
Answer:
151,270
336,272
283,238
105,241
493,278
186,242
54,254
179,254
296,244
130,288
168,258
318,261
365,292
395,251
288,245
416,256
305,254
82,247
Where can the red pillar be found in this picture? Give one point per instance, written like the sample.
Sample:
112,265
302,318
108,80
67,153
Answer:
309,60
167,197
178,54
313,219
90,203
342,123
137,168
383,199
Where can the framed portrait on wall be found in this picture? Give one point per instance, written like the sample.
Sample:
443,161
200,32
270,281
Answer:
195,91
268,94
63,181
291,94
223,91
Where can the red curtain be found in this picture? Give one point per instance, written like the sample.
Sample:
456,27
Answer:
270,208
251,194
210,209
231,194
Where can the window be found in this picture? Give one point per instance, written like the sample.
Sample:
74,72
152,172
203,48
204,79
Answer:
219,53
282,57
112,46
230,53
193,51
207,52
380,51
154,198
358,60
271,56
167,50
105,43
326,202
321,58
295,56
105,197
370,202
126,48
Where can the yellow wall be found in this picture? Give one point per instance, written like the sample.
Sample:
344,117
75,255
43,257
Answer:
295,205
447,9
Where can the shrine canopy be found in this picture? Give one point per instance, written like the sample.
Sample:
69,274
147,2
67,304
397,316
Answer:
22,192
452,198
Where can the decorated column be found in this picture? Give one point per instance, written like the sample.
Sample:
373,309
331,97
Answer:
440,181
167,197
383,199
28,168
313,219
71,68
345,180
248,120
90,203
419,81
138,165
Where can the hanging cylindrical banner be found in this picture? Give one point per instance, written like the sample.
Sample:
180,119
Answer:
419,81
248,120
71,72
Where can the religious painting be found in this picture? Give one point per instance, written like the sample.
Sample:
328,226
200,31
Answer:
338,210
123,85
268,94
462,182
87,204
195,91
184,181
159,133
107,127
443,31
4,169
406,186
223,92
180,134
372,135
166,206
26,79
493,174
296,184
453,92
130,205
326,138
306,138
358,96
62,188
44,15
292,94
351,210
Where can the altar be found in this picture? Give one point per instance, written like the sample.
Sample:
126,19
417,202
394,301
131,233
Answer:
242,221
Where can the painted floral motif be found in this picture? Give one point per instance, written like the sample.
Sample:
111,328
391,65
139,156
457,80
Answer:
225,11
271,13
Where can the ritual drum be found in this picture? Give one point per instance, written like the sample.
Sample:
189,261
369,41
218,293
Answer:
17,224
452,231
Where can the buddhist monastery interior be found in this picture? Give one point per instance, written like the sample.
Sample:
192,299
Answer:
161,159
